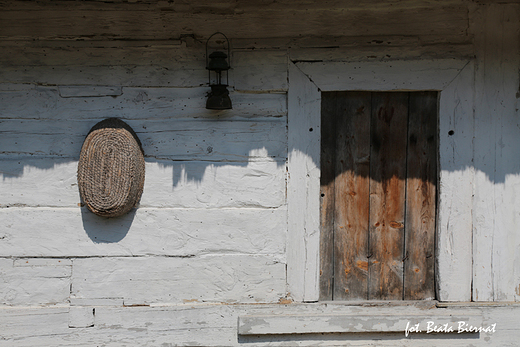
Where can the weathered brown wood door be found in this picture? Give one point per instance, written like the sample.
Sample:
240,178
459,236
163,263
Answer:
378,195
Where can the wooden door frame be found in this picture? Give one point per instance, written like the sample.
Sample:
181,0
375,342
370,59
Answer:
453,78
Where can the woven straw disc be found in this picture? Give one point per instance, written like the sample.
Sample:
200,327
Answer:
111,169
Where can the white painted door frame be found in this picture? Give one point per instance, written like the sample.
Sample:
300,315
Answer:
454,80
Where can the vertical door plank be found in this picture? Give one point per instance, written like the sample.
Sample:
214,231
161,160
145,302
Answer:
387,195
327,165
420,197
352,195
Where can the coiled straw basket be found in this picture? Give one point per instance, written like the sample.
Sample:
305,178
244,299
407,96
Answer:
111,169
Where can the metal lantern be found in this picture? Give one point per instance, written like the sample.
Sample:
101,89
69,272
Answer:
216,63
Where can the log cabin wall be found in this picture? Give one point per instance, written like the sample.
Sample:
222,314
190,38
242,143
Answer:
210,242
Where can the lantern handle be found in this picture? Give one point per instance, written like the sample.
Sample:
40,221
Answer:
228,48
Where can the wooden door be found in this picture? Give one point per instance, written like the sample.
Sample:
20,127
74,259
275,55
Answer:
378,195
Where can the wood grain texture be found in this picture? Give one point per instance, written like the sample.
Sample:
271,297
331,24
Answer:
387,195
327,193
401,75
387,48
455,79
495,237
361,128
421,190
148,63
182,139
52,22
456,180
134,103
352,115
303,187
264,70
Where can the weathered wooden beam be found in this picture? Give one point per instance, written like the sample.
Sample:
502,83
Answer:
496,255
35,282
52,182
180,139
65,232
133,103
227,278
319,324
66,22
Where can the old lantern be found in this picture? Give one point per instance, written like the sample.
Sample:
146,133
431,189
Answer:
216,63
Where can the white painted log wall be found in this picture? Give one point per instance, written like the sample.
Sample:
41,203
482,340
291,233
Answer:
211,224
211,228
496,243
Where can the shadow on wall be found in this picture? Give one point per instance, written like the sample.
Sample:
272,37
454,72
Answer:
217,159
106,230
343,338
227,150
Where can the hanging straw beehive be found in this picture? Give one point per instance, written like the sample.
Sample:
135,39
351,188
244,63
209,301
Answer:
111,169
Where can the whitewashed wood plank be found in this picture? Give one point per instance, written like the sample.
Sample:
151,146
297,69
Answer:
64,232
134,103
89,91
34,285
120,337
23,262
227,140
62,22
486,132
20,323
496,141
69,62
38,182
260,70
124,75
456,177
216,325
96,302
317,324
75,53
149,65
506,241
13,87
501,79
384,75
81,317
185,184
214,185
506,323
173,139
303,186
144,280
308,48
380,49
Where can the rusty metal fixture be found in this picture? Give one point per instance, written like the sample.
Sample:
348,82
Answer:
111,169
216,63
